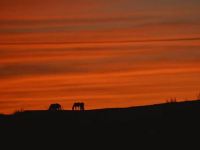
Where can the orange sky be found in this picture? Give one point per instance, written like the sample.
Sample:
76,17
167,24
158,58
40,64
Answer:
108,53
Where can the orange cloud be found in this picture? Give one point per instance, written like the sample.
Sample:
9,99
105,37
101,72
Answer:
107,53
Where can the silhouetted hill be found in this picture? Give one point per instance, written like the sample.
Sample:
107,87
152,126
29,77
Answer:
166,124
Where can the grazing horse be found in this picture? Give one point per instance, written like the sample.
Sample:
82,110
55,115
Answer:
78,106
55,107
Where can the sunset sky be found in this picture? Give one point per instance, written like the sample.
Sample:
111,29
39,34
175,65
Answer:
106,53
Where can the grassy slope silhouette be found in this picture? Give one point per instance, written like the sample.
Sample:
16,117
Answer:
161,123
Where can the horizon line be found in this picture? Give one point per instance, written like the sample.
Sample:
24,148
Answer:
106,108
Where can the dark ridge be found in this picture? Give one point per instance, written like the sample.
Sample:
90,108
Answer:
168,124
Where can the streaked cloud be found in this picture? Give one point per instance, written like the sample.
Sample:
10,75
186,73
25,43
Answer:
108,53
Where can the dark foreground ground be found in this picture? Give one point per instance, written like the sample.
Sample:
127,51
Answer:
164,125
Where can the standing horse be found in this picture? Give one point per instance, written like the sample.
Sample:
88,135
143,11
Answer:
78,106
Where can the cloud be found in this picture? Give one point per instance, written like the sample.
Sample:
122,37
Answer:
108,53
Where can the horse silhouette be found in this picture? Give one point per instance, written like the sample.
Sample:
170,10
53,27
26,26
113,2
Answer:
78,106
55,106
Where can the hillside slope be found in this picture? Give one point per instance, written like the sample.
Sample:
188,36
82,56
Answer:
174,122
